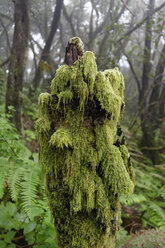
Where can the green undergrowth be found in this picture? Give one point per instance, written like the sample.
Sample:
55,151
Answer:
147,239
144,209
149,195
25,218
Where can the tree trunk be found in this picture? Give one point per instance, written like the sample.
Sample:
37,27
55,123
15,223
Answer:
46,51
85,162
151,100
155,99
147,139
17,61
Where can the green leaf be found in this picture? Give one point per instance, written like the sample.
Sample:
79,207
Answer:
9,236
11,208
2,244
41,236
29,227
11,246
21,217
30,237
36,211
7,220
42,246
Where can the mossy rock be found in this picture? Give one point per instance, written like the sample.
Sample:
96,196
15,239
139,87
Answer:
85,171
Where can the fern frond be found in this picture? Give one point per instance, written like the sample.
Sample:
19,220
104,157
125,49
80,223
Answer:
134,198
162,193
14,182
3,175
29,191
157,210
2,183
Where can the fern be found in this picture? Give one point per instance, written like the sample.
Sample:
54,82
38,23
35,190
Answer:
14,181
157,211
29,191
149,196
4,168
23,184
134,198
2,183
20,176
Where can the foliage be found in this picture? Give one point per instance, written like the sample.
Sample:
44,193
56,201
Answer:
29,105
121,237
24,213
144,208
15,225
147,239
149,196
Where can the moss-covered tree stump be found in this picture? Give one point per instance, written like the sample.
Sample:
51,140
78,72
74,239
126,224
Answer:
85,162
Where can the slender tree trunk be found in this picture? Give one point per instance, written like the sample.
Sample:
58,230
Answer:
162,104
146,63
156,102
147,140
17,61
46,51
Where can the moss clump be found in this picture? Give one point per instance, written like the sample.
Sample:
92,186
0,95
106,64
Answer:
85,171
78,42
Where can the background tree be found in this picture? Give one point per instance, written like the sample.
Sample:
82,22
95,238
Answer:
17,61
45,55
150,85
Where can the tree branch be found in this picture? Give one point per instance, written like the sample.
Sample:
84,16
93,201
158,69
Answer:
4,62
133,72
141,22
7,17
46,51
91,24
38,45
6,33
69,20
102,44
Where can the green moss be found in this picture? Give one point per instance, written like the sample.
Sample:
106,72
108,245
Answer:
44,122
109,91
85,172
89,69
61,138
78,42
115,173
79,79
127,161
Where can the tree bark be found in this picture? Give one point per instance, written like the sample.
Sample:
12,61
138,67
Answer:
46,51
155,99
18,61
147,139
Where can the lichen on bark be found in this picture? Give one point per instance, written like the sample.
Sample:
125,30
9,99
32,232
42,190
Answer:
86,169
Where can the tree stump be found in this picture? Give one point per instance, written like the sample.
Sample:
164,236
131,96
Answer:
84,159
